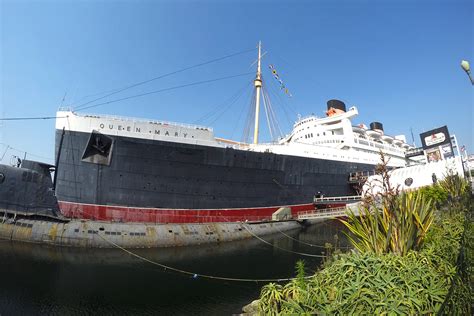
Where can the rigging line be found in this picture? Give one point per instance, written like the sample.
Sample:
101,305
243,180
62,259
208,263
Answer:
289,121
165,89
273,114
282,59
238,119
227,108
194,275
30,118
273,85
165,75
269,122
272,118
266,114
5,152
219,107
223,111
283,249
23,151
275,122
249,119
97,94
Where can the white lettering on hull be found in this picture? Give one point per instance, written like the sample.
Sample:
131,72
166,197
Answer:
122,128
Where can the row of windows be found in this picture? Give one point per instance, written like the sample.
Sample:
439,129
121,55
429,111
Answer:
378,145
311,135
330,141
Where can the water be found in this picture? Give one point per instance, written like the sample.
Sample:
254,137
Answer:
42,280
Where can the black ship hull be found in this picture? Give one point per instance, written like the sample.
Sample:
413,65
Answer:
132,179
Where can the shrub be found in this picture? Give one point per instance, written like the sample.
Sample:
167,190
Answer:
369,284
459,300
457,189
436,193
271,298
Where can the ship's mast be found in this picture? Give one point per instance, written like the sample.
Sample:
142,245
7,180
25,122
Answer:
258,87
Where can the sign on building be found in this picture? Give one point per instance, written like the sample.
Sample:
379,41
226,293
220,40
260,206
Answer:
437,144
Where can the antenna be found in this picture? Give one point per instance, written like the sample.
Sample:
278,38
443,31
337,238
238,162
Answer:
412,137
64,98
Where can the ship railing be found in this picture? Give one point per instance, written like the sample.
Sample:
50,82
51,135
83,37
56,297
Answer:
139,120
310,116
323,213
338,198
376,146
414,152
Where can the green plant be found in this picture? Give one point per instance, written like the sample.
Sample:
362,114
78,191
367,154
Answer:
368,284
390,221
424,282
443,240
457,189
435,192
397,226
295,288
271,297
459,300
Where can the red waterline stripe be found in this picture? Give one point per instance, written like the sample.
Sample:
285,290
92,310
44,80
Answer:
159,215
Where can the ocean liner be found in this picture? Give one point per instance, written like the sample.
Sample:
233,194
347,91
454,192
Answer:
134,170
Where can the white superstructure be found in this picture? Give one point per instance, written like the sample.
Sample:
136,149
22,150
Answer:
334,137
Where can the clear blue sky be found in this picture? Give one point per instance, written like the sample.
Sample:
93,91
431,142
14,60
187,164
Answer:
397,61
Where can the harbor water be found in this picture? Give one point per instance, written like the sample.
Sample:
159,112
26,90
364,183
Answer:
44,280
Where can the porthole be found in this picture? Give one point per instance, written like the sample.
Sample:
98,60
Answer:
408,182
2,177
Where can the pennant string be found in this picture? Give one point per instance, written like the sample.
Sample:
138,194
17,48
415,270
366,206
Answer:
277,78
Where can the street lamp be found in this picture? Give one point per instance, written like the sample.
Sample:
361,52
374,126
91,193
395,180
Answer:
467,69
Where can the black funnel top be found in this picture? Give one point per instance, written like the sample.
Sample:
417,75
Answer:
336,104
376,125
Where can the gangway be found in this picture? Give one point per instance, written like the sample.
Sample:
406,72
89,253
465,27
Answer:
329,213
337,199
